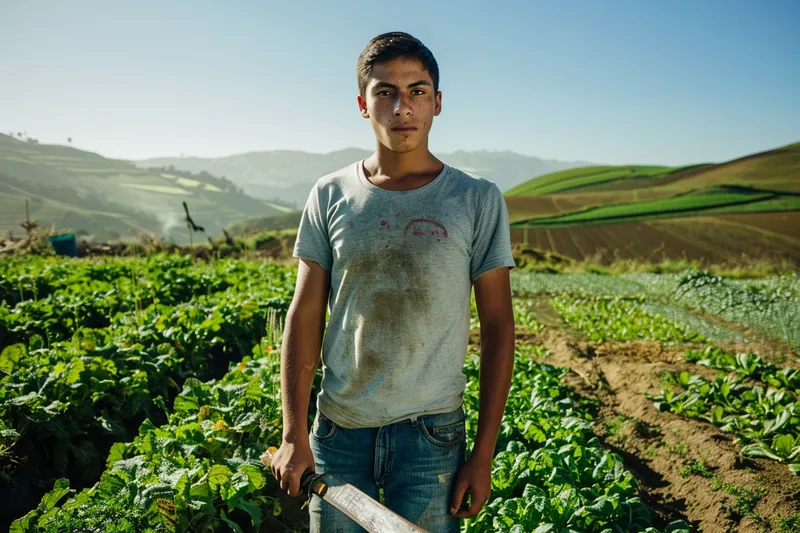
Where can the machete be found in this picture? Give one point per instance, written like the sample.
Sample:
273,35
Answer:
365,511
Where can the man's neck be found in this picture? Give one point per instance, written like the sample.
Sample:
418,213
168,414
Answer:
402,166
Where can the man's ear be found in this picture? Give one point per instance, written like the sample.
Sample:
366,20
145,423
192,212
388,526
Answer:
362,106
437,108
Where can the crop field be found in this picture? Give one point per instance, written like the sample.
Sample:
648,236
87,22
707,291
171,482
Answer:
138,393
643,210
720,239
542,206
581,178
729,213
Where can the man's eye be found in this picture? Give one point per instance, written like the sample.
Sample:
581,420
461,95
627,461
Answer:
419,91
379,93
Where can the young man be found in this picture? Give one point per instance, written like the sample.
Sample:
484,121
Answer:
394,244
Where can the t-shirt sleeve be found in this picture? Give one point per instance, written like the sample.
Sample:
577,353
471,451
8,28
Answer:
313,242
491,241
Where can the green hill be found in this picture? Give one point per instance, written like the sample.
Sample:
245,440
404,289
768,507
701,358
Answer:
581,178
111,199
763,182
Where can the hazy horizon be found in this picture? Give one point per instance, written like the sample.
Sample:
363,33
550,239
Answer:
619,82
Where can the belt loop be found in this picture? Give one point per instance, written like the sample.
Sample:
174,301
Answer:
413,421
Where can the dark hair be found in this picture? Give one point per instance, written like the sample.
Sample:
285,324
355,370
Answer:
387,46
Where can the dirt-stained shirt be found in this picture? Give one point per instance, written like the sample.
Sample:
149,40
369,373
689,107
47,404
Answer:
402,266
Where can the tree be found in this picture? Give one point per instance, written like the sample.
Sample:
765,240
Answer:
69,140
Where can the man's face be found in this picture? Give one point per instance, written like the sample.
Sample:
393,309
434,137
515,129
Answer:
400,103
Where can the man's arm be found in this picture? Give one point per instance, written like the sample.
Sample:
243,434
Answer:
493,298
300,354
302,343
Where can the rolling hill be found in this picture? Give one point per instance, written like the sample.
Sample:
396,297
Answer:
289,175
749,206
111,199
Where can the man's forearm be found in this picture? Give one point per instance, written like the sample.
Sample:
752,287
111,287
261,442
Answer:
299,359
496,367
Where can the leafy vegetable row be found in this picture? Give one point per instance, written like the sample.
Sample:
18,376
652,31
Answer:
64,406
551,473
765,420
747,365
772,306
92,294
603,318
198,472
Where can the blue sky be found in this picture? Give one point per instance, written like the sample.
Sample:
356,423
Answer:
663,82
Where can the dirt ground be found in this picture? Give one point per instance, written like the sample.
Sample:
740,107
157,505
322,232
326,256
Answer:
655,446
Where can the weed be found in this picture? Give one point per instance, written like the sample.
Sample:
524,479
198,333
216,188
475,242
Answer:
746,500
680,449
614,425
667,379
698,468
647,431
790,524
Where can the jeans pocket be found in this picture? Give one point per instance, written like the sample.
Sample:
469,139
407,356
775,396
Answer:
442,432
323,427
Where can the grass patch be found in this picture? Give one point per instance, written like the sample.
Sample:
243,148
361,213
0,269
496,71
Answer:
614,425
746,500
680,449
789,524
646,431
166,189
697,468
187,182
651,451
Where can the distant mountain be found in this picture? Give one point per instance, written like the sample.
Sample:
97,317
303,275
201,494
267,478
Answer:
288,175
111,199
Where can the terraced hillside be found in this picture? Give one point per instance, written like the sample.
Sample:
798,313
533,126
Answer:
717,212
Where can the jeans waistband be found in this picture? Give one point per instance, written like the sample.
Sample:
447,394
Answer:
456,415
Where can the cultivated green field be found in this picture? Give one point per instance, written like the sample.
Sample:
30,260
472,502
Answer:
137,394
111,199
666,213
584,177
715,200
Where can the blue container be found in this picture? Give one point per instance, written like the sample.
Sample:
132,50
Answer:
64,244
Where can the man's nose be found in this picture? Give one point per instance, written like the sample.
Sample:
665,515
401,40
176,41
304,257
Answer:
402,105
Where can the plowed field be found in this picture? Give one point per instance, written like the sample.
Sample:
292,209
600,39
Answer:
717,239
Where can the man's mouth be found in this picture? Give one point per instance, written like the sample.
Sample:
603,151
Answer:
404,129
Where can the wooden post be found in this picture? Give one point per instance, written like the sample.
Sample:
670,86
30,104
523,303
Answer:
29,224
191,244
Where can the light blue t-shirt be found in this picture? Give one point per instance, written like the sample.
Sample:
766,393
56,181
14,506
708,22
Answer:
402,265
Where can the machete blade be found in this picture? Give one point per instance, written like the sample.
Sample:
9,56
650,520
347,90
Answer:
362,509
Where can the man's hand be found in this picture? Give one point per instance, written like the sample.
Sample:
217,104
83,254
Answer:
289,463
474,476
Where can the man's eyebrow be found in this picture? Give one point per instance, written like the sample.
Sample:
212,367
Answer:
383,84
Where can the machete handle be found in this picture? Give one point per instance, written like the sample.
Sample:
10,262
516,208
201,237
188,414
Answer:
310,482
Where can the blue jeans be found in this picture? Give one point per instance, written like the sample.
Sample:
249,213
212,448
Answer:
415,461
